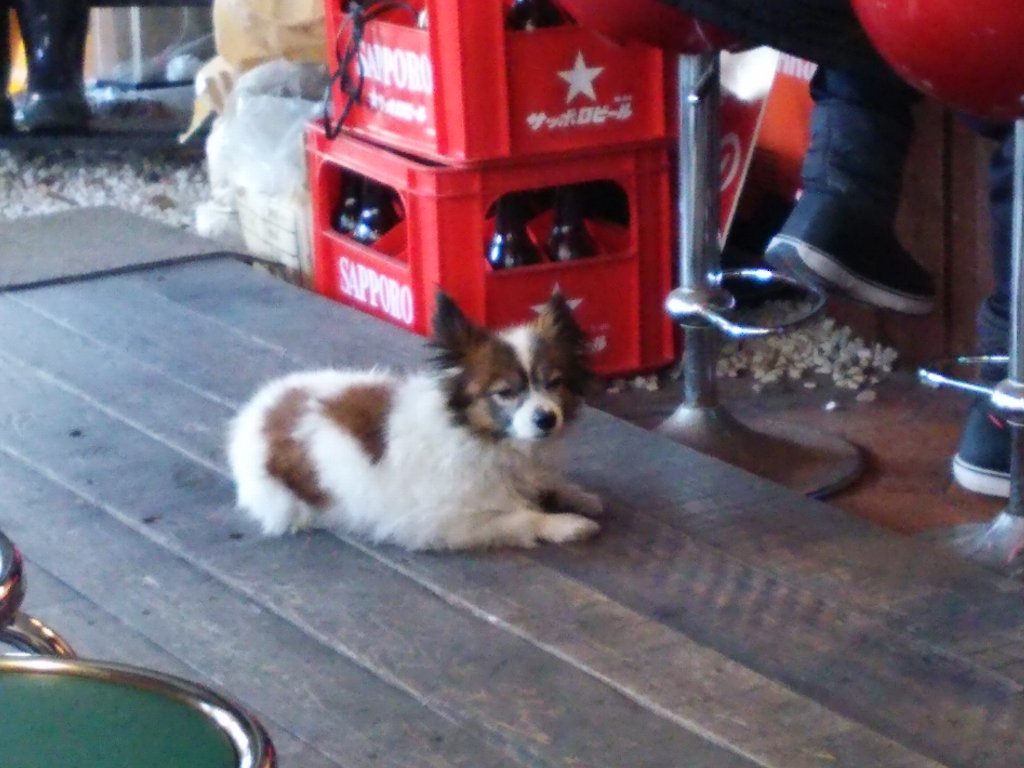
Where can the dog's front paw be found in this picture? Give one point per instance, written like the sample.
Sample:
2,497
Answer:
577,499
586,503
564,527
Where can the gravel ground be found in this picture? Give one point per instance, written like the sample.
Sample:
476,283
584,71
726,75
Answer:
168,188
165,188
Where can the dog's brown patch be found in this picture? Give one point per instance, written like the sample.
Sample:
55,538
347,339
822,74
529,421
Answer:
362,412
555,369
287,459
489,365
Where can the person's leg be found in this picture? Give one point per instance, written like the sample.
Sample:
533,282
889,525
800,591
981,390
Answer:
982,460
994,315
841,232
54,33
5,68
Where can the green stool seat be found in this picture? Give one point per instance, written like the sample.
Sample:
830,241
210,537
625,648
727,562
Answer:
98,715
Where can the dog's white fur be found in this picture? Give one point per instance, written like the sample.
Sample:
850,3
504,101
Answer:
436,486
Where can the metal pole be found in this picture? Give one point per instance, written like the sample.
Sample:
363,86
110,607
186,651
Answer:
1000,544
806,460
698,200
1015,505
700,353
1016,363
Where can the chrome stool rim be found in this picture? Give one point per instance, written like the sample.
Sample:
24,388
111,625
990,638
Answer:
28,635
12,581
19,631
249,739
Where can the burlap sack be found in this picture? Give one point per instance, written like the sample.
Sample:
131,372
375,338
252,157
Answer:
250,32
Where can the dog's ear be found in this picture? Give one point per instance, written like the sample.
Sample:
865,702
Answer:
557,322
454,333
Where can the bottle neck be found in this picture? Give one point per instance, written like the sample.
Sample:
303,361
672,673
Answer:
532,14
509,215
568,208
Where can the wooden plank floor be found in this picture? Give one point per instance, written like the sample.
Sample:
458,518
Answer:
717,620
907,436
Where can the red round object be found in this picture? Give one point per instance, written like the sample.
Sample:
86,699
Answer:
965,55
650,22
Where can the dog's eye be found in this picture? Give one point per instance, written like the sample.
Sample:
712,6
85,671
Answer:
555,382
503,393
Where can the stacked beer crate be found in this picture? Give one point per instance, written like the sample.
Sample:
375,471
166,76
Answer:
496,150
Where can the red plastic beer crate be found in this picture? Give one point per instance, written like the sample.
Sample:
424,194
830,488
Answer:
467,89
617,295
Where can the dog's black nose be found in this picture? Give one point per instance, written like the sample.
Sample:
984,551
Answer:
545,419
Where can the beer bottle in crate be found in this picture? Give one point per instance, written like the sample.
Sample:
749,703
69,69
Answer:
527,15
380,212
347,215
569,239
511,245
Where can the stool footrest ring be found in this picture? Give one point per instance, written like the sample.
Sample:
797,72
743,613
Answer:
707,306
1006,396
935,374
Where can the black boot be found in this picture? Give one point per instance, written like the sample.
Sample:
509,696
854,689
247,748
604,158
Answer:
841,234
6,111
54,33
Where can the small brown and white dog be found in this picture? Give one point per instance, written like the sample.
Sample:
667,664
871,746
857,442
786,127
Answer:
453,458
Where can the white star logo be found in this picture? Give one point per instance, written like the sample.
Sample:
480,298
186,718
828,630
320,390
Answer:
580,79
573,303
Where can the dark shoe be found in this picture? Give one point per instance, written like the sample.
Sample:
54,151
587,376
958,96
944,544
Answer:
53,112
982,461
845,250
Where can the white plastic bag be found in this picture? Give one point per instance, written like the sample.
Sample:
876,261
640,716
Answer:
262,125
257,167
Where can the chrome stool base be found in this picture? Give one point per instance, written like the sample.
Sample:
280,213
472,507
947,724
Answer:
808,461
997,544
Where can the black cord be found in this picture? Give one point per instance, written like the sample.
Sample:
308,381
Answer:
351,87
